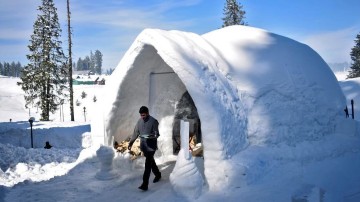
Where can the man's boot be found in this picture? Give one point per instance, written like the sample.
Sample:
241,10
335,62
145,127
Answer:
143,187
157,178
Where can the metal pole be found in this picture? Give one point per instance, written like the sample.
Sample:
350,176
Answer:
352,109
31,132
85,113
62,106
31,120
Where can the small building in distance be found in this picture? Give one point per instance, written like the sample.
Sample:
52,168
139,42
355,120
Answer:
87,77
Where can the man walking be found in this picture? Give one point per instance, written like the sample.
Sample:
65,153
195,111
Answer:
147,129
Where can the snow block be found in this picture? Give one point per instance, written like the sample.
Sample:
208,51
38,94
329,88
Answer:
106,155
186,179
184,131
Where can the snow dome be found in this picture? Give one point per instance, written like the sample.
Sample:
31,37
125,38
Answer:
236,86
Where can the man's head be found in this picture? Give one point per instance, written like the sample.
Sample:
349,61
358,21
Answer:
144,112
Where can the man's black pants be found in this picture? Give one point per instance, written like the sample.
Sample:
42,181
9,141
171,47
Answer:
150,165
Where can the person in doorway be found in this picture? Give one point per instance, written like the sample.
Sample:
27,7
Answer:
147,129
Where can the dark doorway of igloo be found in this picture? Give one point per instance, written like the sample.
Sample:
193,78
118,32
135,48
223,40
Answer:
187,111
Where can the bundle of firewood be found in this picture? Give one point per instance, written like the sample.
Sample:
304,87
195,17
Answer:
123,148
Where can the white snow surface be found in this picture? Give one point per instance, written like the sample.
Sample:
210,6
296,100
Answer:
325,167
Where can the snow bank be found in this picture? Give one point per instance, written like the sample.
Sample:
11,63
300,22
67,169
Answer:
19,164
59,135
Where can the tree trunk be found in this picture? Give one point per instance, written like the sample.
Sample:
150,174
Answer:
70,65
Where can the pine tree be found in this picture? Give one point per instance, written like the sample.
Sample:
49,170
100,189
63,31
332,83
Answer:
79,64
98,61
233,14
355,57
13,69
44,78
109,71
86,63
1,69
92,62
83,95
18,69
6,69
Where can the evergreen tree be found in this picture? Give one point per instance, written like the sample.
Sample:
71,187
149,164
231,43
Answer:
79,64
355,57
233,14
109,71
43,79
86,63
13,69
83,95
92,62
10,69
1,69
6,69
17,69
98,61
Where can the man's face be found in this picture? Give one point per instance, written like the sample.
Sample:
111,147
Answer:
144,115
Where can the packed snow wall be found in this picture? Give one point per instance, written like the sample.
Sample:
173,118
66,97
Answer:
289,92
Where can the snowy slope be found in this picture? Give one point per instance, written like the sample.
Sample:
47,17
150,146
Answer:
12,101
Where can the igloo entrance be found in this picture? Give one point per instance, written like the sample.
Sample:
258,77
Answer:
152,82
170,104
186,110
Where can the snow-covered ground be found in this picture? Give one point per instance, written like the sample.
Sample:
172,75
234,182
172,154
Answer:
327,169
272,118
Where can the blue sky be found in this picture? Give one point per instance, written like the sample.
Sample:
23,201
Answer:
328,26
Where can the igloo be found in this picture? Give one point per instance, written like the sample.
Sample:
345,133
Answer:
237,85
